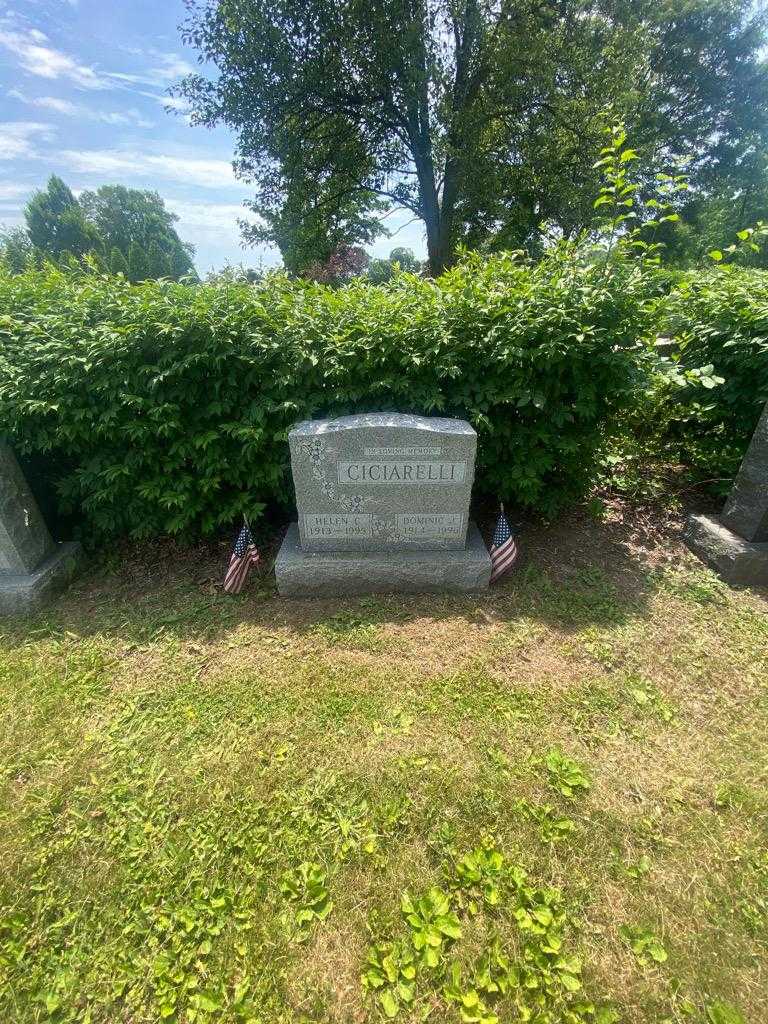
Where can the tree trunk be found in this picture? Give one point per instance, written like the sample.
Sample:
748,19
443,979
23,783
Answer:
439,211
437,214
431,211
438,246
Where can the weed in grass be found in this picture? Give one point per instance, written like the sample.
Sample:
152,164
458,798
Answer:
535,978
647,700
552,827
719,1012
592,710
700,586
178,910
398,723
599,645
646,946
628,869
734,796
750,887
566,775
498,760
305,888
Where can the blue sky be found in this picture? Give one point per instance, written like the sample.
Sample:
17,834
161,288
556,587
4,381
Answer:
83,92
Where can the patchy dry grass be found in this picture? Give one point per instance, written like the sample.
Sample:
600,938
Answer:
547,803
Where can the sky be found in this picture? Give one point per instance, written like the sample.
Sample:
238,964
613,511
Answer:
84,94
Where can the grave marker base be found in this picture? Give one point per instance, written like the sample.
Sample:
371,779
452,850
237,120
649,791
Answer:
735,559
24,593
338,573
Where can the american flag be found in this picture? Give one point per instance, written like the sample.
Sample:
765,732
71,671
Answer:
243,557
504,550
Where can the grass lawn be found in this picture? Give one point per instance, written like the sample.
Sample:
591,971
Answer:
546,803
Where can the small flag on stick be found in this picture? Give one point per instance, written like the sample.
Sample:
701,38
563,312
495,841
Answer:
504,550
245,555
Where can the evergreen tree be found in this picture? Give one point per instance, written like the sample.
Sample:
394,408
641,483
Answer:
159,262
56,222
117,262
126,217
16,249
138,264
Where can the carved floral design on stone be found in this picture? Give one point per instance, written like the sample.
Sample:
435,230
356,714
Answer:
353,503
316,450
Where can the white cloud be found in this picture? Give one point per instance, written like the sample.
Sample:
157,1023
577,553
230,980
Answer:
168,67
17,138
133,78
127,117
171,66
177,103
10,190
132,164
34,55
210,218
57,104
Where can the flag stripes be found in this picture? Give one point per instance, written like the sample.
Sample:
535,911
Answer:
245,555
504,549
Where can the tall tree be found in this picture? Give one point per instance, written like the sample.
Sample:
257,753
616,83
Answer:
15,249
309,203
309,220
118,264
713,216
380,271
56,222
138,263
126,217
158,260
479,116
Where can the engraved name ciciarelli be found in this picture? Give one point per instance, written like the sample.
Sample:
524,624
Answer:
402,472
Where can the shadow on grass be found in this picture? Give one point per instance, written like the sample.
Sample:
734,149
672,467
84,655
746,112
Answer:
573,575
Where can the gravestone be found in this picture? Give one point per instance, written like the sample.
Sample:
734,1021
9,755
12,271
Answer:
32,565
736,543
383,505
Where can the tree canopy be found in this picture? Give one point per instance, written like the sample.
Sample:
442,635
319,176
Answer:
478,116
56,222
130,231
380,271
15,249
128,217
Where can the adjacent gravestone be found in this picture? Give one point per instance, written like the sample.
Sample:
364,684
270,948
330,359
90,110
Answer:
746,511
736,544
32,565
383,503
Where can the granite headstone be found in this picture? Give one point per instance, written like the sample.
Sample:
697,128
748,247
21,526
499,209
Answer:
746,511
383,504
32,565
736,543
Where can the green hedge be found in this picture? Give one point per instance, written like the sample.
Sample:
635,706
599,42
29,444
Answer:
164,408
717,318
